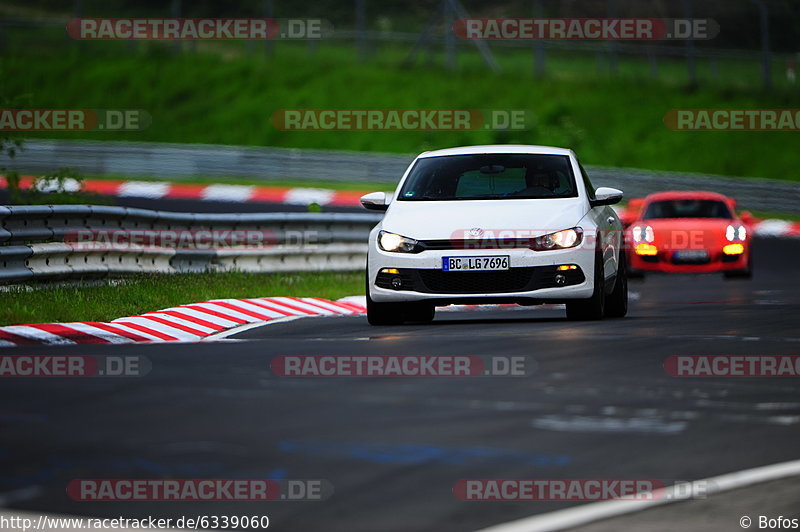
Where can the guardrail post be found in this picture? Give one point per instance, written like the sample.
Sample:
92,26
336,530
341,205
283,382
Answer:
766,58
612,45
538,44
361,30
691,67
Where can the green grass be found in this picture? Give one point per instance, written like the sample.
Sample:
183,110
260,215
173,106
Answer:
108,300
219,94
765,215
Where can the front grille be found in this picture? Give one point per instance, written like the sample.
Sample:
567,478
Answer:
513,280
482,243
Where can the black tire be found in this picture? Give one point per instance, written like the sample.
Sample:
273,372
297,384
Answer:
382,313
397,313
617,302
592,308
419,312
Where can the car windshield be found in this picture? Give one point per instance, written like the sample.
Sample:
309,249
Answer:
687,208
489,176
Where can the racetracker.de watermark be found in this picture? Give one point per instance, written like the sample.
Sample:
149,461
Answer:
207,29
399,119
204,489
564,489
585,29
125,239
732,365
42,366
74,119
496,238
401,366
733,119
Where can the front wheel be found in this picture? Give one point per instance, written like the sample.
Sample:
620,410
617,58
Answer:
617,303
397,313
382,313
594,307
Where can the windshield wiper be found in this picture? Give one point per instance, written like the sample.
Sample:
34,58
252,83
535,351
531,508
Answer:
486,196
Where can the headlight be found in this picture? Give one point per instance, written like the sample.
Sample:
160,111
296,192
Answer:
568,238
643,234
397,244
733,233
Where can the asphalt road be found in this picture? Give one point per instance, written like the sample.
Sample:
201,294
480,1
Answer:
598,405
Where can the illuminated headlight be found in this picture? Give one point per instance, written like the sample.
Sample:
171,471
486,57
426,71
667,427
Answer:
397,244
568,238
643,234
733,233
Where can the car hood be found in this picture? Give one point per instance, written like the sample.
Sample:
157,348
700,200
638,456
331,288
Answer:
433,220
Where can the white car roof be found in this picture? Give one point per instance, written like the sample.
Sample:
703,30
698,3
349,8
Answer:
497,148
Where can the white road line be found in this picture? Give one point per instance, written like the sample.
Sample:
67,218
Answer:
644,425
596,511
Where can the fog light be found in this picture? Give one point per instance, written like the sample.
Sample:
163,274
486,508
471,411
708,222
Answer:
390,270
561,279
565,267
646,249
733,249
396,282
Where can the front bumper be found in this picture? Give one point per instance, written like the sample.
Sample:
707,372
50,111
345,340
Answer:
669,262
531,278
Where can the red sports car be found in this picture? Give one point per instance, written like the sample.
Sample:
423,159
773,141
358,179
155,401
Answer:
689,232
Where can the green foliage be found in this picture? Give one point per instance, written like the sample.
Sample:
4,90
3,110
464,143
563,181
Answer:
221,93
108,300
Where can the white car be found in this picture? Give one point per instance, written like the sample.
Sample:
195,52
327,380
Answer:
495,224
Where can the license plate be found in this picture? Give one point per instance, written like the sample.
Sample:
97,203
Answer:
472,264
692,254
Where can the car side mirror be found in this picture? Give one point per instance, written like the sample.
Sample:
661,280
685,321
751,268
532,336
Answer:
376,201
747,217
606,196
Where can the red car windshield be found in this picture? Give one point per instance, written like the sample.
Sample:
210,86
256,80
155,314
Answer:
687,208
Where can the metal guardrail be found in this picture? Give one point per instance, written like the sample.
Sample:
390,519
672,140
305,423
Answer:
61,241
176,161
